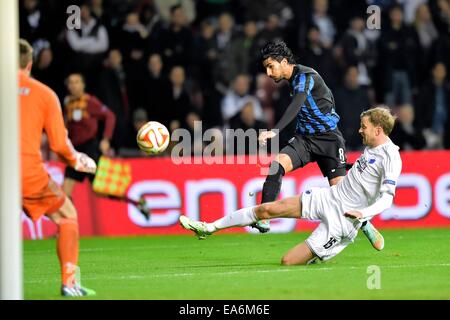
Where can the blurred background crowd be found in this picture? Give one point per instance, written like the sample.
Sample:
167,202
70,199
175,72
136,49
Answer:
179,61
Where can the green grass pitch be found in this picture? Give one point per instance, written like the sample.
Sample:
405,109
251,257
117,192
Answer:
415,264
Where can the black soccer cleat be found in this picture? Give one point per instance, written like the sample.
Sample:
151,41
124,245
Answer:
263,226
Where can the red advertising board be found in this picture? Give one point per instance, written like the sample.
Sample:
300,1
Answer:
209,191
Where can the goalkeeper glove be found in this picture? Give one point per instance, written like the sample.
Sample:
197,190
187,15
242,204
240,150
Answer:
85,163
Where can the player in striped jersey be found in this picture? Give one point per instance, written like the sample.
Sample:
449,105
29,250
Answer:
316,138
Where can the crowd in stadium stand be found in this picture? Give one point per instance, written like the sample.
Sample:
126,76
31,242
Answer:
178,61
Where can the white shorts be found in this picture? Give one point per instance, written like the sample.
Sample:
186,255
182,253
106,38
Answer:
335,231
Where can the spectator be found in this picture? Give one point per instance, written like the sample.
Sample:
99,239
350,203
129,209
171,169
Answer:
261,10
245,120
100,14
404,134
46,71
342,12
243,54
424,25
34,24
132,44
441,18
92,38
224,36
154,87
272,31
433,109
351,100
410,9
150,19
427,35
320,58
323,21
213,8
113,92
176,40
88,46
212,115
356,50
204,72
225,33
266,91
133,38
164,8
398,58
206,54
237,97
178,100
441,10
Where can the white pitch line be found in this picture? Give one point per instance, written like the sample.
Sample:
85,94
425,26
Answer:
139,248
299,269
188,274
409,266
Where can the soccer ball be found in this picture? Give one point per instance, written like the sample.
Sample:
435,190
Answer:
153,138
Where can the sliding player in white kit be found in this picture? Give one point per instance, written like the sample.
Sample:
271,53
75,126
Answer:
367,190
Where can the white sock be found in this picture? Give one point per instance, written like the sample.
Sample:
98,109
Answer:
240,218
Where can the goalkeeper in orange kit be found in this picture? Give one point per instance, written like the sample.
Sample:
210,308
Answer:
40,111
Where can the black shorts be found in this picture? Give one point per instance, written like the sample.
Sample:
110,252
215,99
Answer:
91,148
327,149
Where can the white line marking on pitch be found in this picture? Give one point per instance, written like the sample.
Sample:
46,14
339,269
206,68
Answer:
140,248
244,271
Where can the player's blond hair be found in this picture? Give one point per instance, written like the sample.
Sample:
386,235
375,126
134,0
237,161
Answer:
25,53
380,117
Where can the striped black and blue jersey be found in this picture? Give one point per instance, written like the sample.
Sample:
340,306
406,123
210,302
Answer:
317,114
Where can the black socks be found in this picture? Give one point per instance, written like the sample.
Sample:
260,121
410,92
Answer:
272,185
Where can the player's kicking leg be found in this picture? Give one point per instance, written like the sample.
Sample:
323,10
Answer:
285,208
67,247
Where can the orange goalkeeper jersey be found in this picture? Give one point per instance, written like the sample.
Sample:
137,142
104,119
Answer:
40,111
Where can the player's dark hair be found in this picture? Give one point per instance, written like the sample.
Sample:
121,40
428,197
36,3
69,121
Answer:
277,50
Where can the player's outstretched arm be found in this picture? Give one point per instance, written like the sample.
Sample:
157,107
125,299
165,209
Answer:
384,202
291,111
288,116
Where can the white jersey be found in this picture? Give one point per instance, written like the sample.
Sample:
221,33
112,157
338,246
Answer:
376,171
